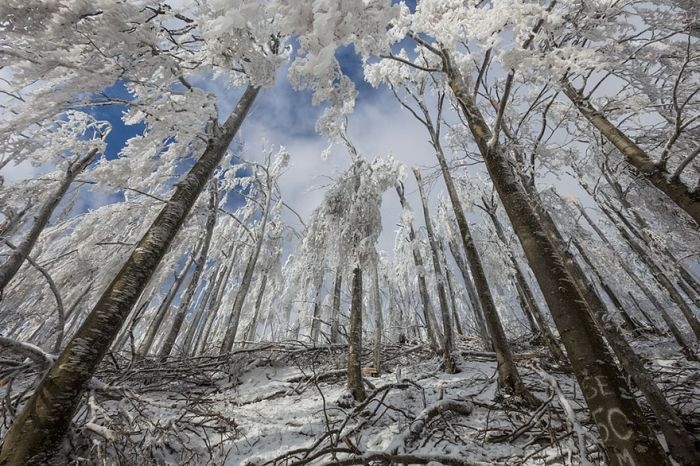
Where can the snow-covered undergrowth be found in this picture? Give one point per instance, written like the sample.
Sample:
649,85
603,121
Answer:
286,404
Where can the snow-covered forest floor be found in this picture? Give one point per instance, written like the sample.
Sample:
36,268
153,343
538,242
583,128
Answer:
287,404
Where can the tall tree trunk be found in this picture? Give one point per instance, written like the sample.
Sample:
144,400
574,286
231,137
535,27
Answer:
530,304
208,294
160,314
316,312
246,281
212,314
659,275
19,254
677,436
635,156
258,302
625,431
200,264
471,292
508,375
430,323
378,321
36,433
450,289
355,339
335,305
448,362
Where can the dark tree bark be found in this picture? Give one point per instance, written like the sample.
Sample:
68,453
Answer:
355,339
36,433
335,305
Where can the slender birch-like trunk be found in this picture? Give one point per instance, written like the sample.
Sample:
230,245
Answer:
246,281
448,362
524,289
35,435
258,303
19,253
162,310
200,263
378,321
430,321
206,297
471,292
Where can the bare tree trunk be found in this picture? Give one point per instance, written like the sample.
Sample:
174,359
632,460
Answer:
530,304
627,435
508,375
355,339
450,289
660,276
471,293
199,311
635,156
246,281
258,303
36,433
430,324
677,436
316,313
448,362
19,254
378,322
203,337
160,314
335,306
200,264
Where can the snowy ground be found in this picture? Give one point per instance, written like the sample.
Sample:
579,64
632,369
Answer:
285,404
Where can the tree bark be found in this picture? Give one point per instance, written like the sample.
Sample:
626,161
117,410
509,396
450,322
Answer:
471,292
625,431
19,254
258,303
160,314
200,263
246,281
635,156
430,324
678,438
524,289
660,276
378,322
448,362
207,295
36,433
335,306
355,339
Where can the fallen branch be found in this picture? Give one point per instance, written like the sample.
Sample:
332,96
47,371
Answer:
417,426
27,350
389,458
